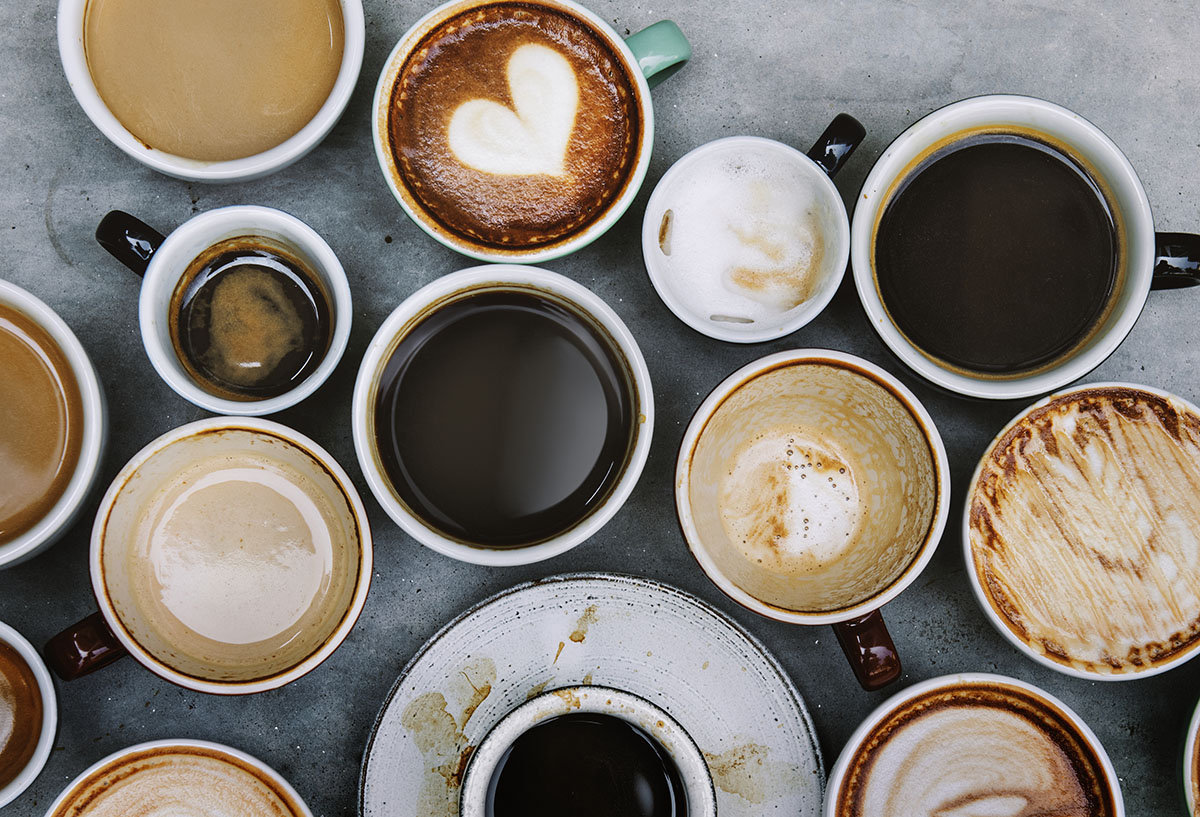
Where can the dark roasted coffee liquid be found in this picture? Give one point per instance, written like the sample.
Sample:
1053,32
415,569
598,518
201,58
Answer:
586,765
997,254
249,321
504,418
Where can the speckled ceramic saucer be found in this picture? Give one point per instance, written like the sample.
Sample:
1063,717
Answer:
624,632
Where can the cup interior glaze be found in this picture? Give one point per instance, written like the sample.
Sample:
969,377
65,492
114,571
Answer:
426,301
189,240
95,429
811,486
74,62
49,714
1082,140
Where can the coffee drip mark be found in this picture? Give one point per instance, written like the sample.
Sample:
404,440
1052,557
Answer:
748,772
664,232
531,137
585,621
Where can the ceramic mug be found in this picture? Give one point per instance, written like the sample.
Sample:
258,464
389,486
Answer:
47,723
1144,260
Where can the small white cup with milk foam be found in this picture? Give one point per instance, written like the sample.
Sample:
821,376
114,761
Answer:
746,239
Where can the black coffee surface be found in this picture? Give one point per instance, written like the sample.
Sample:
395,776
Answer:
998,254
586,765
249,322
504,418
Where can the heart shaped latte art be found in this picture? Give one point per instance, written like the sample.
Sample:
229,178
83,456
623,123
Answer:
532,139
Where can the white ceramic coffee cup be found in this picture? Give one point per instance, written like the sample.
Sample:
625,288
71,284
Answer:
1113,172
49,714
837,776
1191,774
133,242
599,700
244,762
95,429
422,303
70,47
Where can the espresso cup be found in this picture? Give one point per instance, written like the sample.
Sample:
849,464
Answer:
1078,531
812,487
229,556
28,714
55,423
285,310
180,776
159,109
502,414
588,742
1003,247
746,239
973,744
546,176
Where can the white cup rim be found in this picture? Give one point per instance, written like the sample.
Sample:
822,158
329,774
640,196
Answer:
381,140
838,772
171,259
980,594
186,743
1189,760
381,347
70,47
95,428
45,744
310,662
700,420
925,132
811,308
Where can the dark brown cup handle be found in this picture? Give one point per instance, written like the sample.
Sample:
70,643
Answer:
128,239
839,140
83,648
869,649
1177,261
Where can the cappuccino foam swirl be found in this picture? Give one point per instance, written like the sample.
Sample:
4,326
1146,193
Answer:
1085,529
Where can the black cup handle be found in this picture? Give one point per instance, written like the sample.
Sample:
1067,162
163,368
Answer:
836,144
128,239
1177,261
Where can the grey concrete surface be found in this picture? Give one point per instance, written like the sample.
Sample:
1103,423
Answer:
780,70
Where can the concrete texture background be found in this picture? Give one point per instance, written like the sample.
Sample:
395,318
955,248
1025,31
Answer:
779,70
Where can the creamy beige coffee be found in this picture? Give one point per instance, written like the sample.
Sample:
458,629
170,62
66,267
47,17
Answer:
21,710
231,555
171,781
1083,529
213,80
41,423
973,749
813,486
514,125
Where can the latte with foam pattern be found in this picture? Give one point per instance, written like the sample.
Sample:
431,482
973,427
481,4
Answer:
514,125
21,710
975,749
1084,529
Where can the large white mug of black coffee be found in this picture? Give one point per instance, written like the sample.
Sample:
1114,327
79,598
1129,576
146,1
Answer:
243,310
229,556
1003,247
502,414
519,131
53,425
973,744
217,91
813,487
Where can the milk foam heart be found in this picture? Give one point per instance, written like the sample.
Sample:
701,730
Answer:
531,139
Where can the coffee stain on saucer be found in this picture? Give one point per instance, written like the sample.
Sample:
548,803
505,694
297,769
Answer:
585,621
747,772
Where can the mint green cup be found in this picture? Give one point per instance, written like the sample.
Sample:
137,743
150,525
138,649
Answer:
647,58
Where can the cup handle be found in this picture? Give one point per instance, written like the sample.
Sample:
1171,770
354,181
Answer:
869,649
128,239
1177,261
82,648
660,50
839,140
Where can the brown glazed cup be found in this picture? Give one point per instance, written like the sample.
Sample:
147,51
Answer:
813,487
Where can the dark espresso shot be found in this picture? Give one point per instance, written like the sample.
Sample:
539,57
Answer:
504,418
586,765
249,321
998,254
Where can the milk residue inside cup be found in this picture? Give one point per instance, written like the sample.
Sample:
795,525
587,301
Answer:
740,239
